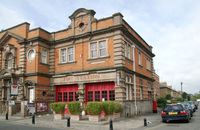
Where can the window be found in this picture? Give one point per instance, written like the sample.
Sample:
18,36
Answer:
97,95
44,56
31,54
90,96
139,58
66,55
63,58
65,96
71,96
93,50
70,54
98,49
104,95
127,51
10,61
112,95
59,97
76,96
102,48
148,64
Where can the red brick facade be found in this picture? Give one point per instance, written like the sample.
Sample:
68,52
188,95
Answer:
103,52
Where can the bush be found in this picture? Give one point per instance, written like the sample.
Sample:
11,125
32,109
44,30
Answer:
108,107
118,107
94,108
74,108
58,107
162,102
111,107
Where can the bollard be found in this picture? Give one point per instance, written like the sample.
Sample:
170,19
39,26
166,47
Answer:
6,115
33,118
111,125
68,122
145,122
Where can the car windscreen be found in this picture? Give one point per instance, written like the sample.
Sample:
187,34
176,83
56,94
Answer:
173,108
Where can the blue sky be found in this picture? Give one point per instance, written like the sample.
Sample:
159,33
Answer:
170,26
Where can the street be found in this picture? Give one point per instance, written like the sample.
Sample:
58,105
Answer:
46,122
194,124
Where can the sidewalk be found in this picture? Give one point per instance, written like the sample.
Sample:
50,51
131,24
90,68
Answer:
122,124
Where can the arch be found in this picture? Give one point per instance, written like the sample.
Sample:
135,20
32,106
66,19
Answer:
82,11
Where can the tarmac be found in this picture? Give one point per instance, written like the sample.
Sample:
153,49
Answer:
121,124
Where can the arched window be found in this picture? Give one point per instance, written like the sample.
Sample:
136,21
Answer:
9,61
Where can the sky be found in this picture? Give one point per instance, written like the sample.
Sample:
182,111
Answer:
172,27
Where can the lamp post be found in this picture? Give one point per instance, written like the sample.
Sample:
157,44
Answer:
181,87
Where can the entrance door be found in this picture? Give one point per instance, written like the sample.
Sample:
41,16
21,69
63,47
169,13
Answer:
67,93
100,91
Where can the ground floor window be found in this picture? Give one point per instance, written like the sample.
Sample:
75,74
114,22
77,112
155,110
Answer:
99,91
67,93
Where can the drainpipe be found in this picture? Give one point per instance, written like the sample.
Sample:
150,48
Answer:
134,78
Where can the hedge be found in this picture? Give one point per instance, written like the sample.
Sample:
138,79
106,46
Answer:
74,108
94,108
58,107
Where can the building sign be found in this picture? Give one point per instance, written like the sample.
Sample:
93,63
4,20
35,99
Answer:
42,107
31,95
14,90
85,78
11,103
31,108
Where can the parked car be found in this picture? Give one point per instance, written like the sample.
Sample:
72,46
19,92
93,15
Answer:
196,105
189,107
192,104
175,112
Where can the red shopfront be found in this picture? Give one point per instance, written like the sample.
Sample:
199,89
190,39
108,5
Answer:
99,91
67,93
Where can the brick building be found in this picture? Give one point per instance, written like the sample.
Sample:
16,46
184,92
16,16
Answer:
90,60
156,86
167,90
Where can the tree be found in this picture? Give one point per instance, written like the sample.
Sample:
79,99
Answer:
184,95
168,97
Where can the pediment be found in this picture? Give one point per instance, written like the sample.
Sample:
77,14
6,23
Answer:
7,36
82,11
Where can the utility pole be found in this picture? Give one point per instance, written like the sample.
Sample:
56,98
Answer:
181,87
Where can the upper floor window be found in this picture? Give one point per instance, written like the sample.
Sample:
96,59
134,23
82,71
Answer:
148,64
63,58
70,54
127,50
98,49
44,55
10,61
66,55
139,58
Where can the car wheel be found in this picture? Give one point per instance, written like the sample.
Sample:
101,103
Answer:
188,120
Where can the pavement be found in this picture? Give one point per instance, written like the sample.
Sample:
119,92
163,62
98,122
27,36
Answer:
47,121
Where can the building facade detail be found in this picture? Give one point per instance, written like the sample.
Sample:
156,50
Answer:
90,60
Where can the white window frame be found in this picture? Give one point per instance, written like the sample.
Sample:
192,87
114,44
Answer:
128,51
44,56
148,64
31,58
68,54
97,49
62,55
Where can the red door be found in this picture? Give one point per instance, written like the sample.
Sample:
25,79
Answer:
66,93
99,91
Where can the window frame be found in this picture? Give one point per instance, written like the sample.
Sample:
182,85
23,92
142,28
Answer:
67,54
140,58
43,56
98,49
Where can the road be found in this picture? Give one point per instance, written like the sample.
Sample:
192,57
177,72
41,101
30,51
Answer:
10,126
194,124
127,124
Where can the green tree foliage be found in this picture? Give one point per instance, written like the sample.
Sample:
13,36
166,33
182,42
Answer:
162,102
168,97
